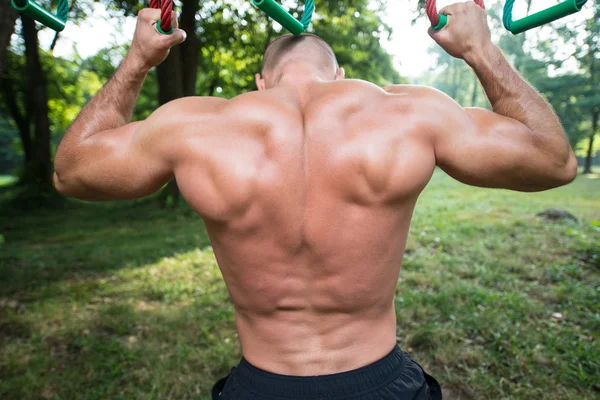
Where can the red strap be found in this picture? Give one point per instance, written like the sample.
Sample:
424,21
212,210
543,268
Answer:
432,12
166,7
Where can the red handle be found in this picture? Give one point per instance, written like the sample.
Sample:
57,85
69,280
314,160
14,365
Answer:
432,12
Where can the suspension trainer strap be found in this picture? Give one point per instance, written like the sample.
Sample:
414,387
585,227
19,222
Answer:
438,21
37,12
548,15
284,18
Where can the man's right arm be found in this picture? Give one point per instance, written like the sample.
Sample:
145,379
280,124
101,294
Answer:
521,145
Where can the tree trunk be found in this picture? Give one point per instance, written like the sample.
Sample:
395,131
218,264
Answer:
8,16
454,87
21,120
170,82
474,93
177,77
40,169
189,50
170,87
588,159
593,78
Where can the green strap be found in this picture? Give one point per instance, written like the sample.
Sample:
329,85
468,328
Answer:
548,15
285,19
36,11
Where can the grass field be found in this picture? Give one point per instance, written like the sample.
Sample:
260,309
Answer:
124,301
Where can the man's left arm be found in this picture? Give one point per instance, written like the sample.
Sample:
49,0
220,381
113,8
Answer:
104,157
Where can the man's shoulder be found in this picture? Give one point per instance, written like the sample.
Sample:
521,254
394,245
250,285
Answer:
187,109
350,87
357,84
395,93
197,104
413,90
420,98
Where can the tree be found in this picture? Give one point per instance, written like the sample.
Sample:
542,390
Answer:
455,78
30,111
590,61
7,26
177,76
42,106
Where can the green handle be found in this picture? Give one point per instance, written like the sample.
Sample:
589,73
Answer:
442,23
279,14
160,30
545,16
37,12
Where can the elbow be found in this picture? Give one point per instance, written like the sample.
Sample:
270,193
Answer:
72,185
58,177
64,173
566,172
61,185
68,177
65,180
570,170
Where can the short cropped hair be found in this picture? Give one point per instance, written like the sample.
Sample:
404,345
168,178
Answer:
286,43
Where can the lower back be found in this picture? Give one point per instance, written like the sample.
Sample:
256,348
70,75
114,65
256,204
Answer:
322,306
308,343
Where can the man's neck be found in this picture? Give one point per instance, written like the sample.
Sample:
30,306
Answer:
301,75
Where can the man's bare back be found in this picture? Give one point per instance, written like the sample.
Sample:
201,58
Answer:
308,211
308,186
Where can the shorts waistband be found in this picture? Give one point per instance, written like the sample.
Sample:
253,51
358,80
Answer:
362,380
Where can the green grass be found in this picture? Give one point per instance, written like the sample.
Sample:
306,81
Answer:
124,301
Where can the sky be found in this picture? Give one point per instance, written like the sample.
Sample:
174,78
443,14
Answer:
408,45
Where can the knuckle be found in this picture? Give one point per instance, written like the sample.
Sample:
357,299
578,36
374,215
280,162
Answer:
146,14
149,13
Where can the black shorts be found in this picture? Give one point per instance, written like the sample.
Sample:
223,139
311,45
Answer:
395,377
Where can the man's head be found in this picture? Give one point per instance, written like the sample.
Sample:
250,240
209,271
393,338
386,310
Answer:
303,54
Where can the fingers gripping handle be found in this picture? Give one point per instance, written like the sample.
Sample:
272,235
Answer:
166,7
438,21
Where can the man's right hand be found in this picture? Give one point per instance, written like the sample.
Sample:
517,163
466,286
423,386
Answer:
467,32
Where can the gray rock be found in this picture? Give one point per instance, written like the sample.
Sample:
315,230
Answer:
554,214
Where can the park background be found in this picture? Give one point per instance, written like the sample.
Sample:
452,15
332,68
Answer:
125,300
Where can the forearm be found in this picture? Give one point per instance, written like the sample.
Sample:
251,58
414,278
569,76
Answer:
512,96
113,106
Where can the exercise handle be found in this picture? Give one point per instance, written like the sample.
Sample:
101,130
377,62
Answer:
438,21
37,12
548,15
279,14
166,8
